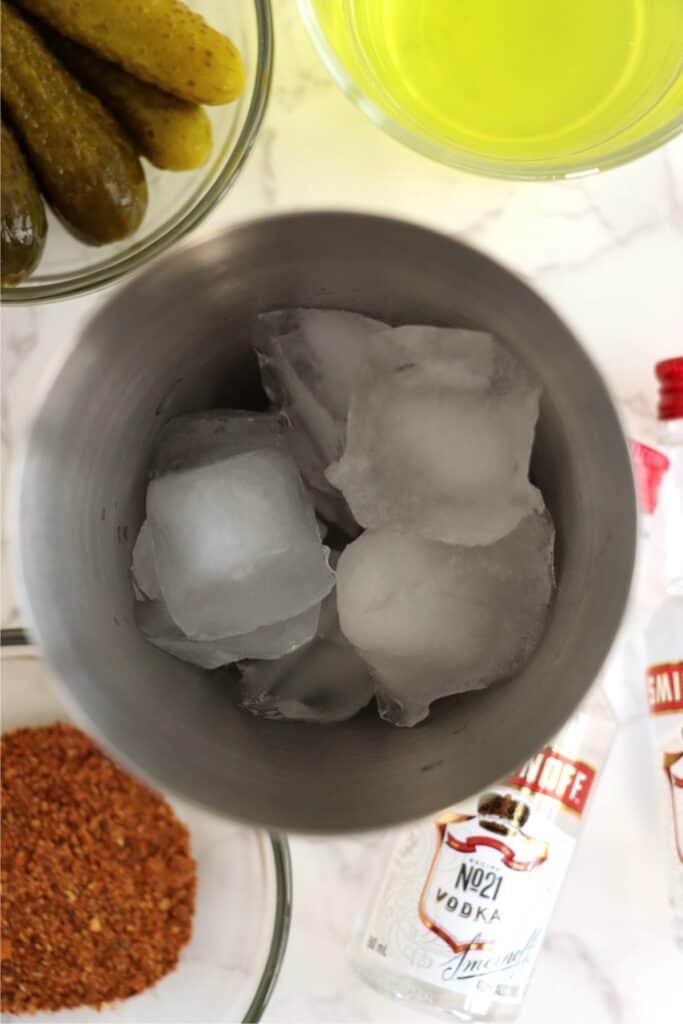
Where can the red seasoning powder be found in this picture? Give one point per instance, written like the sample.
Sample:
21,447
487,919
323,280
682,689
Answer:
98,884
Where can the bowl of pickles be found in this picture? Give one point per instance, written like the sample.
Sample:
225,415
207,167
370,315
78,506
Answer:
124,122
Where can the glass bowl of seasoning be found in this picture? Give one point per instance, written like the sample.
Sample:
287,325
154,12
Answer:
114,897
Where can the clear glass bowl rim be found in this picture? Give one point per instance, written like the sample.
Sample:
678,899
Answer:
99,277
282,864
459,158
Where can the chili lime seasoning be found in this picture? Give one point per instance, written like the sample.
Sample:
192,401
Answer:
98,883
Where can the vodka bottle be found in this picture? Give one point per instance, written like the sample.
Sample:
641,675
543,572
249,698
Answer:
459,916
664,638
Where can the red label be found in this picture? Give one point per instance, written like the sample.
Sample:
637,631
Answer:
509,857
665,687
557,776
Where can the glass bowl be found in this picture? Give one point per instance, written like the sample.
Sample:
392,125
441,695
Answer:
229,969
178,201
656,123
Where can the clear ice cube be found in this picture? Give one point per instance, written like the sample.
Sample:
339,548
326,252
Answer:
465,359
200,438
310,360
439,437
268,642
432,619
329,502
324,682
143,567
237,544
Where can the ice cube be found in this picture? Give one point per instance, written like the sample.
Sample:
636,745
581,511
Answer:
143,567
200,438
310,360
329,502
268,642
237,544
439,437
433,619
467,360
324,682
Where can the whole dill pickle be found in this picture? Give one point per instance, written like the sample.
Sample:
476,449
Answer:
87,168
173,134
159,41
24,224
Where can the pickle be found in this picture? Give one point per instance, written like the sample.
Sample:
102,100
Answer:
86,167
24,225
160,41
173,134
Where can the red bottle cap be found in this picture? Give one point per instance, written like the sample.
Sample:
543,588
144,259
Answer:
670,376
649,466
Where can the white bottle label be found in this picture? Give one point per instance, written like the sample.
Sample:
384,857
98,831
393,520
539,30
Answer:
665,695
488,885
673,766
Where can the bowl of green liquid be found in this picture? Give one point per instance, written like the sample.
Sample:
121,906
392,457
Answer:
510,88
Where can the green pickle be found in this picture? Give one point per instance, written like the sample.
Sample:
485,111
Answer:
86,166
161,41
24,225
173,134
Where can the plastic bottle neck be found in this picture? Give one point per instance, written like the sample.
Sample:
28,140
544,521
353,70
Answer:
669,373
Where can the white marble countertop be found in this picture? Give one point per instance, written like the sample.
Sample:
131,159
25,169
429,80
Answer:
607,252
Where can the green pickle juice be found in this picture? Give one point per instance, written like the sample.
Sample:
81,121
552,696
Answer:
517,80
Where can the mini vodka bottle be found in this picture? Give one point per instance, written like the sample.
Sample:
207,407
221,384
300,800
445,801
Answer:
459,916
622,675
664,638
